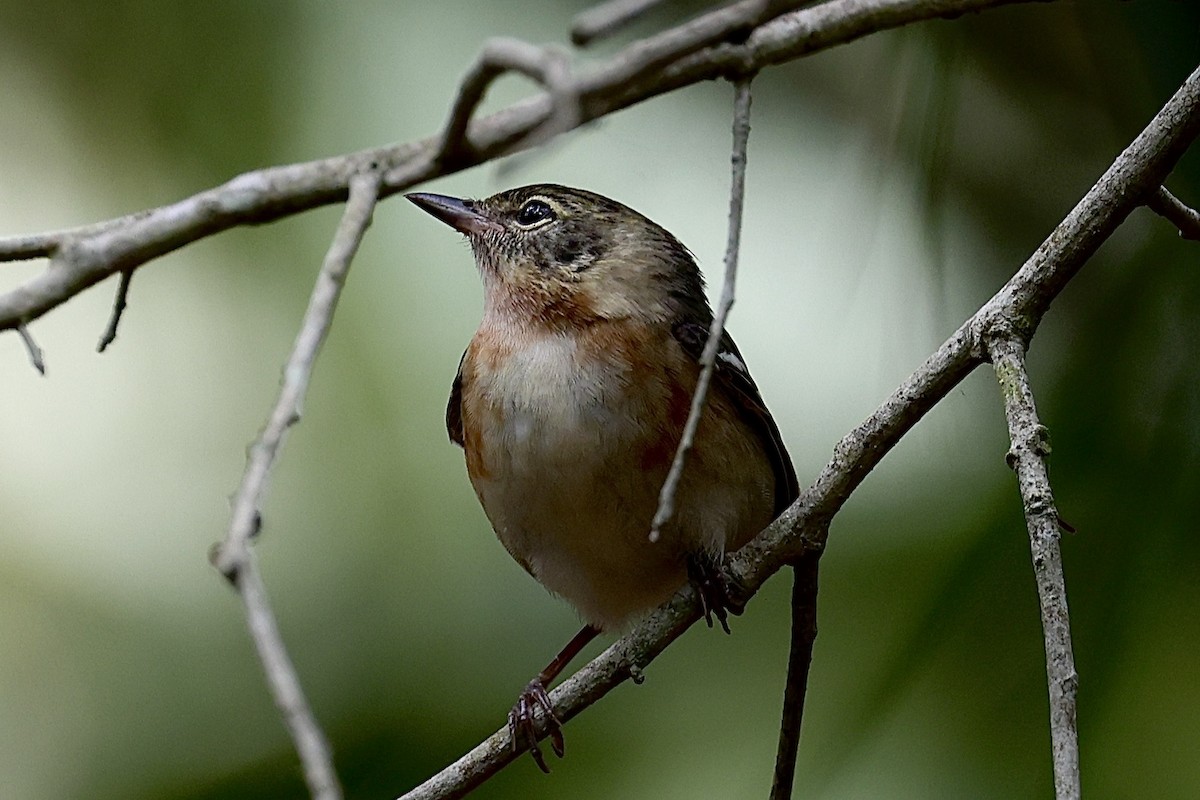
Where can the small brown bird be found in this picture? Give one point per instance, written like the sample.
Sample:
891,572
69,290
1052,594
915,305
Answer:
571,399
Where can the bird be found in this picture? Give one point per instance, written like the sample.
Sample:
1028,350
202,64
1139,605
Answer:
571,399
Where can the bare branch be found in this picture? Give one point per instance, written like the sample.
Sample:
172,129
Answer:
606,19
708,359
1027,457
803,528
35,352
110,333
233,556
693,52
1171,208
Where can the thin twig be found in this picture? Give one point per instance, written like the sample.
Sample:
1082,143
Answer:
673,59
708,359
31,347
802,529
1027,457
599,22
233,556
1171,208
110,332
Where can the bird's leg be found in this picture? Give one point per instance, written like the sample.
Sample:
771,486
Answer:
521,719
717,596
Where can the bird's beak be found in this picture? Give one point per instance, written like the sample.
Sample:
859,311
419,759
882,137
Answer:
458,214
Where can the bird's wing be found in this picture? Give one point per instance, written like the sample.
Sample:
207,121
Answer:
454,422
732,377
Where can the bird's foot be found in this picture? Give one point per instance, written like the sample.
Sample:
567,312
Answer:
718,594
522,724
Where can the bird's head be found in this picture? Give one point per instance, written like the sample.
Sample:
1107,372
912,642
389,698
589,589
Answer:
558,256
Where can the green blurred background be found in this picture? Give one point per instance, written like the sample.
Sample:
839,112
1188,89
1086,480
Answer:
894,184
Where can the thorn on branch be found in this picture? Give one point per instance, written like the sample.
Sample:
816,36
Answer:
602,21
547,66
1171,208
110,332
35,352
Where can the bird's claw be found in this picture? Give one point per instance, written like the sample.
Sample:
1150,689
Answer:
717,595
522,725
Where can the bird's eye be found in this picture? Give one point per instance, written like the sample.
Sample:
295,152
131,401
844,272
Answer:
533,212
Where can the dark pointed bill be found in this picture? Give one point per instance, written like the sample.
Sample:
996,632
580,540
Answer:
458,214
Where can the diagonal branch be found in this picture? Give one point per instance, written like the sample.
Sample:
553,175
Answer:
690,53
803,528
1027,457
233,557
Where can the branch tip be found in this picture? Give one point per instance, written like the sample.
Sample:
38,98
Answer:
31,347
119,303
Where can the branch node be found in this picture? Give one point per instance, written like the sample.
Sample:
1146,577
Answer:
1039,441
31,347
229,564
